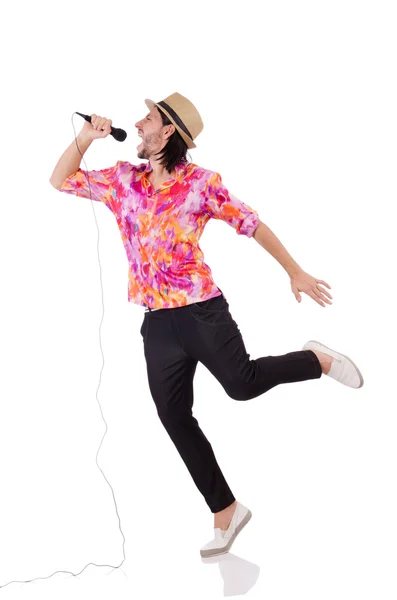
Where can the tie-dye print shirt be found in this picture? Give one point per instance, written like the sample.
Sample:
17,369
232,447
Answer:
161,229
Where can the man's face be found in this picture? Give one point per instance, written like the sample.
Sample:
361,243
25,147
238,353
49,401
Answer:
152,130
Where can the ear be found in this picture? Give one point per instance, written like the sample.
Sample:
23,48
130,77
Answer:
171,129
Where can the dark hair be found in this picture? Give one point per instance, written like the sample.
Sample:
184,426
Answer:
175,149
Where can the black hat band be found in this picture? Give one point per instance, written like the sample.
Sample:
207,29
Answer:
175,117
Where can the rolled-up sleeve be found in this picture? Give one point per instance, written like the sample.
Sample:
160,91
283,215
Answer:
221,204
103,184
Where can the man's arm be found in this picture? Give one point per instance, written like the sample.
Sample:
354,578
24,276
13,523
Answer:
270,242
69,161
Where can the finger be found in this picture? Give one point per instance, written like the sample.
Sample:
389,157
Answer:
323,282
312,295
296,293
97,122
321,295
323,291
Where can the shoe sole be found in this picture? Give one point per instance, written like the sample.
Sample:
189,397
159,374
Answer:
344,356
216,551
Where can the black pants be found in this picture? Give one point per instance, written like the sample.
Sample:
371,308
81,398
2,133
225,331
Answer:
174,341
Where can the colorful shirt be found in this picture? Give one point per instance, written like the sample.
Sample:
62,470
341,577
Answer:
161,229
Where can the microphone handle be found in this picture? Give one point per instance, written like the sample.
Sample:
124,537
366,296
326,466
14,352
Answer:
118,134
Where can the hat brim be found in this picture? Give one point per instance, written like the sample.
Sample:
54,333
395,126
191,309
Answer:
190,144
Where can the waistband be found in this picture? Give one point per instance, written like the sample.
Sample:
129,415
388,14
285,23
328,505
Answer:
151,309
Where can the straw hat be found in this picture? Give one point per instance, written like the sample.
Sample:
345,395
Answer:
183,114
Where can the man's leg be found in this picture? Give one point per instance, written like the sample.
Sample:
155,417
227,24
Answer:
170,374
216,341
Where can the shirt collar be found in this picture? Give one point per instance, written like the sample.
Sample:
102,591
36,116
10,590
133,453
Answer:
179,170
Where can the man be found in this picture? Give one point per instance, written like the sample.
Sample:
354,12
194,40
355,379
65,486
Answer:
161,209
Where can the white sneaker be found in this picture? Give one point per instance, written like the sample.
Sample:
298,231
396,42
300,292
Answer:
342,368
224,539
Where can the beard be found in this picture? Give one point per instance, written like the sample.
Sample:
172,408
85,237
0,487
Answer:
143,153
147,145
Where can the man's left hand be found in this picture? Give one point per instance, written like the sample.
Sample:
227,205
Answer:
303,282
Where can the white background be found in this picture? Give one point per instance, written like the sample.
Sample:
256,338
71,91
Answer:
298,101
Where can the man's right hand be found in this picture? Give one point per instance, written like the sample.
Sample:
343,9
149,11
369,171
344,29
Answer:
98,128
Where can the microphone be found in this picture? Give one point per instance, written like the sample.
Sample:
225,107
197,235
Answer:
118,134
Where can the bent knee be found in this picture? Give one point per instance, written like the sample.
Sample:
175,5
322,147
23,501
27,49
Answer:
238,392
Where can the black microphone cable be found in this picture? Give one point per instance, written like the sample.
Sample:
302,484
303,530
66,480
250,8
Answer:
113,567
